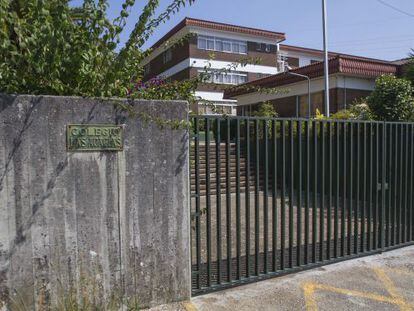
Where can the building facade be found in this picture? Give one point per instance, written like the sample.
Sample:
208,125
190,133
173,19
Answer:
212,46
350,77
231,55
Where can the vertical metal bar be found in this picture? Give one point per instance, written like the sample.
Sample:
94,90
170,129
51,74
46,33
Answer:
370,189
218,198
322,194
291,193
315,190
410,192
265,196
208,200
376,210
389,183
364,188
307,200
337,192
330,181
351,185
383,177
283,199
357,196
344,192
256,199
197,199
400,185
406,185
238,216
299,195
228,203
274,196
247,195
395,188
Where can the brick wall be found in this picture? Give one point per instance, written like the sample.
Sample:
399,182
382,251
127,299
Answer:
190,49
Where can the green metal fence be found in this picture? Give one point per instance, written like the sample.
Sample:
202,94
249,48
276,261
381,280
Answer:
275,196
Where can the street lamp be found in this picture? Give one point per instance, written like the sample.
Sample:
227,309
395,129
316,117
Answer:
309,86
326,60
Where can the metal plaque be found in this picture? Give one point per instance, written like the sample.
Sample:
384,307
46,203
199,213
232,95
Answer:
97,137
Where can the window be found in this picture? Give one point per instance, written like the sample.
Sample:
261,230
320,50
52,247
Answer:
222,45
202,43
236,48
258,46
167,56
243,48
227,79
210,44
233,78
226,46
292,61
242,79
219,45
268,48
218,78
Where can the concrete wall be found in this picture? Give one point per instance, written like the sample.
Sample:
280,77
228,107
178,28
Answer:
106,223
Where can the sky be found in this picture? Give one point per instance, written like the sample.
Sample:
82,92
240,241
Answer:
381,29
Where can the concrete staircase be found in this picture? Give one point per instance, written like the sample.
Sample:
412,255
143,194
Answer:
214,170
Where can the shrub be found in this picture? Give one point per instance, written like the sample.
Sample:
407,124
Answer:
358,111
266,109
392,99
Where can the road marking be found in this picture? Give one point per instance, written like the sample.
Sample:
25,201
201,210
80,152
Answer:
401,271
189,306
392,290
310,301
309,289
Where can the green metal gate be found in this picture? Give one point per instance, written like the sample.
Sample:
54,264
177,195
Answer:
275,196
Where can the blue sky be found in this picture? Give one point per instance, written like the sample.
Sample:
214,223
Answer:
361,27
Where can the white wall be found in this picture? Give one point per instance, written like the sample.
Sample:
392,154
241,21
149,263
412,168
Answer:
214,96
304,58
217,65
301,88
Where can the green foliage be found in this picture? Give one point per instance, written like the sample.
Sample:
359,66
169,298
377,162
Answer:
358,111
344,114
47,47
392,99
266,109
409,68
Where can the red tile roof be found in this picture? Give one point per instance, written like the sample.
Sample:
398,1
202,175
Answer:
320,53
349,65
277,36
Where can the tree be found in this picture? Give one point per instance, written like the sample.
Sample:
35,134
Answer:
49,47
409,68
392,99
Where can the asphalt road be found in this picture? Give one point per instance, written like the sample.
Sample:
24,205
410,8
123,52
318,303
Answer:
380,282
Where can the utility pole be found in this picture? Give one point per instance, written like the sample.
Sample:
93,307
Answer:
326,58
